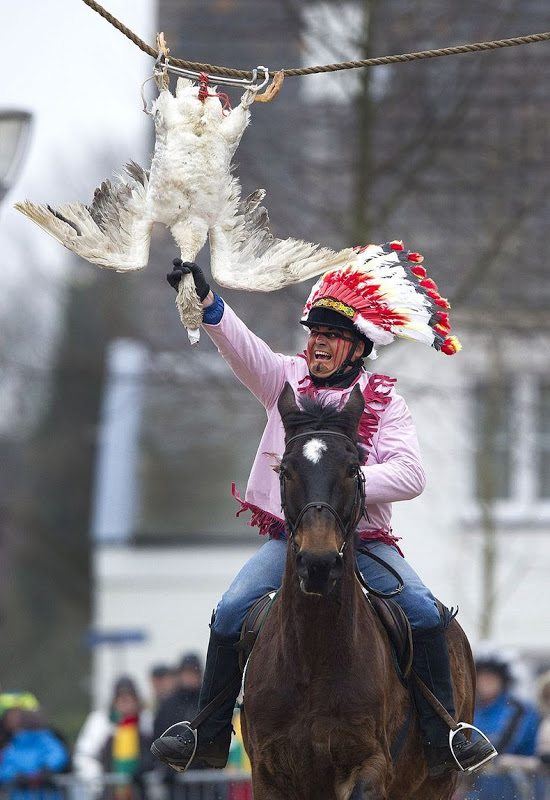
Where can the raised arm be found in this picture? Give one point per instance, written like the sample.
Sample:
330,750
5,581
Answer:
254,363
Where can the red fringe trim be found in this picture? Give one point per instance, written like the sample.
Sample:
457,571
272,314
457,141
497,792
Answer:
267,523
381,535
270,525
377,390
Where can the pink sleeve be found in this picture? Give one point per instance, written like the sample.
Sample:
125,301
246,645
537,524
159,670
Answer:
251,359
398,473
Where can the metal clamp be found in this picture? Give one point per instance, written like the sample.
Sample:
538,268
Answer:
465,726
162,64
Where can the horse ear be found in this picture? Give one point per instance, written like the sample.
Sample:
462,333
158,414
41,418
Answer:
355,406
287,402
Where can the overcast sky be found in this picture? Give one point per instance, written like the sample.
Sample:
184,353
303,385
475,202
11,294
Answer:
81,78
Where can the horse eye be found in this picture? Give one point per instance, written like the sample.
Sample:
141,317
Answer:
352,470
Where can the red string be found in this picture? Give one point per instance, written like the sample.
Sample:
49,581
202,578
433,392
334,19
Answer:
203,86
226,108
204,93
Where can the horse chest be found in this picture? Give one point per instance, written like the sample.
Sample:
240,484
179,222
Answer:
290,701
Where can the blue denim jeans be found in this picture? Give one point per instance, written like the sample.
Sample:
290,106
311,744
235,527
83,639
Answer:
264,573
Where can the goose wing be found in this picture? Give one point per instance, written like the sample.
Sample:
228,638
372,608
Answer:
245,254
114,232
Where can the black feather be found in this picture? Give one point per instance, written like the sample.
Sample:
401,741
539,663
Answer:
64,219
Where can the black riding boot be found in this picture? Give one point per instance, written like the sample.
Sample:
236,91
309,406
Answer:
431,665
176,746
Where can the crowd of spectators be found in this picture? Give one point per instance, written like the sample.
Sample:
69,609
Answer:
115,741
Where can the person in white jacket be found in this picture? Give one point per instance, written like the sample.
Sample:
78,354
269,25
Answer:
89,756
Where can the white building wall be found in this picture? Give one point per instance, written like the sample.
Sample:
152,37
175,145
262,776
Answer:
169,593
440,538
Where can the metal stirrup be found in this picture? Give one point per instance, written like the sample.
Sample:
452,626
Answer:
194,732
460,726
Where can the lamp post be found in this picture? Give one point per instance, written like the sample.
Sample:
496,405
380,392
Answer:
15,127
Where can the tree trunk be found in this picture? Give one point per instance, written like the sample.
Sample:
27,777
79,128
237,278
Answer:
361,220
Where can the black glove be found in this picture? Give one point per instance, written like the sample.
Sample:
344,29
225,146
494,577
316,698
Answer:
184,268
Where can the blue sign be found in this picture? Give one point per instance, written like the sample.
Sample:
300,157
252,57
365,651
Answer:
93,638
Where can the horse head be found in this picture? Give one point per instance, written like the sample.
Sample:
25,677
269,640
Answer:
322,486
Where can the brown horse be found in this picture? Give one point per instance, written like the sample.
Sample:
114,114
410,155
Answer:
325,715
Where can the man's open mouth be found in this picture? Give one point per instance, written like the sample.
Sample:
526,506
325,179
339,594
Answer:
322,355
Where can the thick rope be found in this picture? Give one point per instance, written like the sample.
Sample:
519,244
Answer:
366,62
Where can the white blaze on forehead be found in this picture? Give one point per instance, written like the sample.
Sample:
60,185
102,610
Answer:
313,450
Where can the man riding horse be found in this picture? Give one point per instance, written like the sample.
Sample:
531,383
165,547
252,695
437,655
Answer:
383,293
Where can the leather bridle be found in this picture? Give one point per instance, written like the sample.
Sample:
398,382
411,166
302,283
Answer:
358,504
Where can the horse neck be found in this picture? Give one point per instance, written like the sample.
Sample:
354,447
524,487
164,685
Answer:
322,628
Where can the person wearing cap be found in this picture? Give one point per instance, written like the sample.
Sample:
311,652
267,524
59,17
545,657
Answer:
31,751
384,292
183,701
163,683
543,733
511,722
23,700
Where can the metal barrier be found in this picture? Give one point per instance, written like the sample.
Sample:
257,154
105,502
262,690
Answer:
193,785
507,778
524,778
212,784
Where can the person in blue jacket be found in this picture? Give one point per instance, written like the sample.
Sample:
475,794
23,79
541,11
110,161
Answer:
510,723
32,753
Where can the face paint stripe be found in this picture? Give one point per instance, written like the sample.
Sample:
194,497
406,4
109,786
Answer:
342,351
338,347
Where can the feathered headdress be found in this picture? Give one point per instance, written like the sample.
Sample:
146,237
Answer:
386,293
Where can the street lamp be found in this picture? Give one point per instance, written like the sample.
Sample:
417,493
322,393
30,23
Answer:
15,129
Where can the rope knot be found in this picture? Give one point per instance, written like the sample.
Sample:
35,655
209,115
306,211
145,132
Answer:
203,87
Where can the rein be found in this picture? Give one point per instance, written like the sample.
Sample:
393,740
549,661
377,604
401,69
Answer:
359,500
369,589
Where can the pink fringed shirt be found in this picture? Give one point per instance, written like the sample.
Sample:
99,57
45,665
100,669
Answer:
393,469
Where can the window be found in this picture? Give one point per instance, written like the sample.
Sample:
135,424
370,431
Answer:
543,442
494,442
512,449
333,33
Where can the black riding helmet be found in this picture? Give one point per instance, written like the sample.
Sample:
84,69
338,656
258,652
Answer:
327,316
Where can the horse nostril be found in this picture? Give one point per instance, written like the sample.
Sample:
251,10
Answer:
337,568
301,566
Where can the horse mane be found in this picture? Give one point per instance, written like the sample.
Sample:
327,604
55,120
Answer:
319,415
